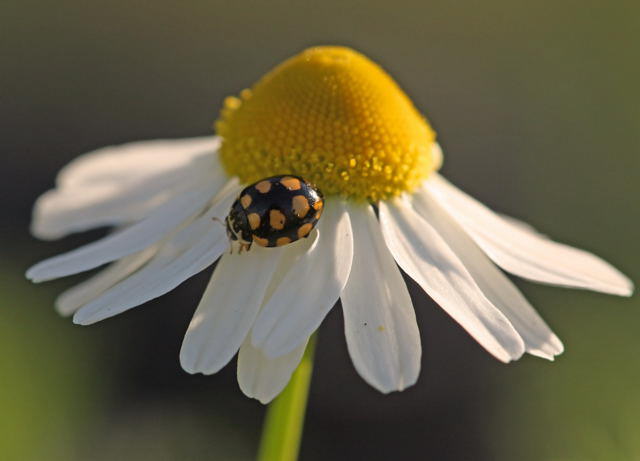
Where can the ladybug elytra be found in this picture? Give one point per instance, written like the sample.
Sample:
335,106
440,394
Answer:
274,212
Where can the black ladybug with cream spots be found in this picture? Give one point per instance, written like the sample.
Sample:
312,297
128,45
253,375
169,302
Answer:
274,212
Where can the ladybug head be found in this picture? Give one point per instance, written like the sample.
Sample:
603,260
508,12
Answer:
237,225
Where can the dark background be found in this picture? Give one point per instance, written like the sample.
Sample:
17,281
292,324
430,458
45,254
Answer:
536,105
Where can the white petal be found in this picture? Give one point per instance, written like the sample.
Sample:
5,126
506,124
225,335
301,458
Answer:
75,297
379,320
191,250
122,184
538,338
528,253
518,223
263,378
293,256
227,309
134,238
60,212
426,257
309,288
133,161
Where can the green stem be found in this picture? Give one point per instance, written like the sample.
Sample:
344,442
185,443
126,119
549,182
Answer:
283,424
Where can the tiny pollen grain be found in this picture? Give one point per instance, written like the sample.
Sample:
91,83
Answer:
334,117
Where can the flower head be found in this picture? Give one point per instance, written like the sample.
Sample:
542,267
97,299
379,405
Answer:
335,118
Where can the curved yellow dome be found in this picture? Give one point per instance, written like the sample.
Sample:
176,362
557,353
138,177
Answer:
334,117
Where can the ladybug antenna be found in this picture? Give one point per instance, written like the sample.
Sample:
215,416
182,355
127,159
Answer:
218,220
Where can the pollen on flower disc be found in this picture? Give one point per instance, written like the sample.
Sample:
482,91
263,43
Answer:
334,117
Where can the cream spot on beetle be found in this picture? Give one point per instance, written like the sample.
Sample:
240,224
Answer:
291,183
245,201
304,230
283,241
300,206
277,219
263,187
260,241
254,220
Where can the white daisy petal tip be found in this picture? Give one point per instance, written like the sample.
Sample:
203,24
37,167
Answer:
189,364
542,355
264,399
80,319
227,310
62,309
78,296
121,184
549,350
38,227
539,339
64,306
263,378
627,287
379,320
390,387
525,252
127,240
29,275
141,277
427,258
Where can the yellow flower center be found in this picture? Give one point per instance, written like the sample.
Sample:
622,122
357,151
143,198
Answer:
334,117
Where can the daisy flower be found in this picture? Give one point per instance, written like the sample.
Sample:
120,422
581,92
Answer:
335,118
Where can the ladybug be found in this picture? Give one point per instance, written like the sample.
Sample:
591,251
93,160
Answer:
274,212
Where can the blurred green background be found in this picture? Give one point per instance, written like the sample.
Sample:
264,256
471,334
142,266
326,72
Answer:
538,109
